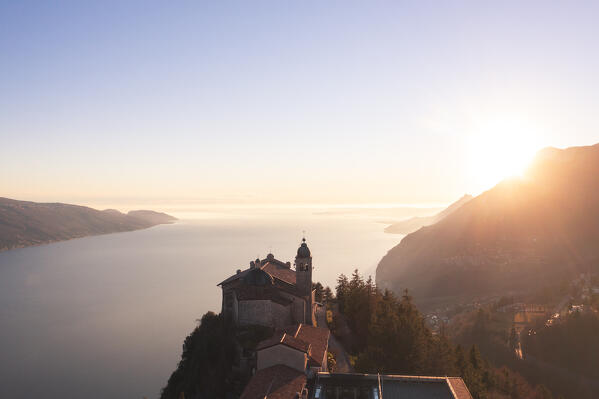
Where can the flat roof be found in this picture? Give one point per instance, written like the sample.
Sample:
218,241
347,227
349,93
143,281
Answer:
326,386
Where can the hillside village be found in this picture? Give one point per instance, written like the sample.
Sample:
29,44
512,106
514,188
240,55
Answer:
293,362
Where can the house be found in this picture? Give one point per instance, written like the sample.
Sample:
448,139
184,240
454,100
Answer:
302,347
287,362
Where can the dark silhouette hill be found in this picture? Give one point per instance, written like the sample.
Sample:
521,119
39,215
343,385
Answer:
517,236
24,223
412,224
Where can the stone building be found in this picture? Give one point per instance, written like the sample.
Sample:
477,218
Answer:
287,361
300,347
292,364
271,293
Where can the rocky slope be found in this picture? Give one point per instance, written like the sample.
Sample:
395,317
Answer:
519,235
24,223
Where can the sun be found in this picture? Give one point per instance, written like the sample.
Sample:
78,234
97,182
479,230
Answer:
498,150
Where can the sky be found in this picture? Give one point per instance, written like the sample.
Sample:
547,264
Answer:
288,101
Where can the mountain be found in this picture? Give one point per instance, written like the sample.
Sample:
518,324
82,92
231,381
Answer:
410,225
152,216
520,235
24,223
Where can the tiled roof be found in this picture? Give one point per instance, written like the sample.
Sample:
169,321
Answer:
318,338
276,382
459,388
281,272
282,337
235,277
275,268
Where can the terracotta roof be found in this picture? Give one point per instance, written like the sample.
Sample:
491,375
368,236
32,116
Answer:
275,268
459,388
318,338
235,277
276,382
281,272
286,339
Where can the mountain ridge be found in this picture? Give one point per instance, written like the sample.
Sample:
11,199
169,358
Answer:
27,223
521,233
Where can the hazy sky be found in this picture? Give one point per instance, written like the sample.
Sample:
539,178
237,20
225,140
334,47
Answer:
288,101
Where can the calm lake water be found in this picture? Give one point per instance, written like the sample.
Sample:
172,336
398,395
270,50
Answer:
105,316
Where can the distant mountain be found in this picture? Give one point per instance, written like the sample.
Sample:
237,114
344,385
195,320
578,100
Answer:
519,235
152,216
410,225
24,223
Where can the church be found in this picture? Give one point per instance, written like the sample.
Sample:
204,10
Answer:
271,292
293,362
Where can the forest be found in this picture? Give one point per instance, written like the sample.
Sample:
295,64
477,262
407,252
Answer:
387,334
391,337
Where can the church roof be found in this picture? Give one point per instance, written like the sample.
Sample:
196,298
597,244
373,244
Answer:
303,251
258,277
281,272
275,382
277,269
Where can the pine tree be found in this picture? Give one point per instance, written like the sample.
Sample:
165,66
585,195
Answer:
342,291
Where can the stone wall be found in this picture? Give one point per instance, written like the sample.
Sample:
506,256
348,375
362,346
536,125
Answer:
281,315
255,312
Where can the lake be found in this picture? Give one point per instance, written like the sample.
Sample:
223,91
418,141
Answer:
105,316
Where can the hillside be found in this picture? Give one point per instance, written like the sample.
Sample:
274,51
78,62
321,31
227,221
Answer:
24,223
521,234
412,224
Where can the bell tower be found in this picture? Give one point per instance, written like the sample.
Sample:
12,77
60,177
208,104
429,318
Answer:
303,270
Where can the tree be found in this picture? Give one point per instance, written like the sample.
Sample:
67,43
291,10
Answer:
327,295
331,362
318,291
342,291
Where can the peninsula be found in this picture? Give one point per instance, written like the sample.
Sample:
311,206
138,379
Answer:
25,223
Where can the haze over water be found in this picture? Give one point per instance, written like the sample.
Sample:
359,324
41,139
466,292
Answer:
106,316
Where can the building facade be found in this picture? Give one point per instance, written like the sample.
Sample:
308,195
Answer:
271,293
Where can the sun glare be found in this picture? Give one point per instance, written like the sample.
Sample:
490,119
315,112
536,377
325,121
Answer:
500,150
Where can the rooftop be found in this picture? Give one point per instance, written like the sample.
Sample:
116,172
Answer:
318,338
277,269
392,386
283,338
275,382
312,340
